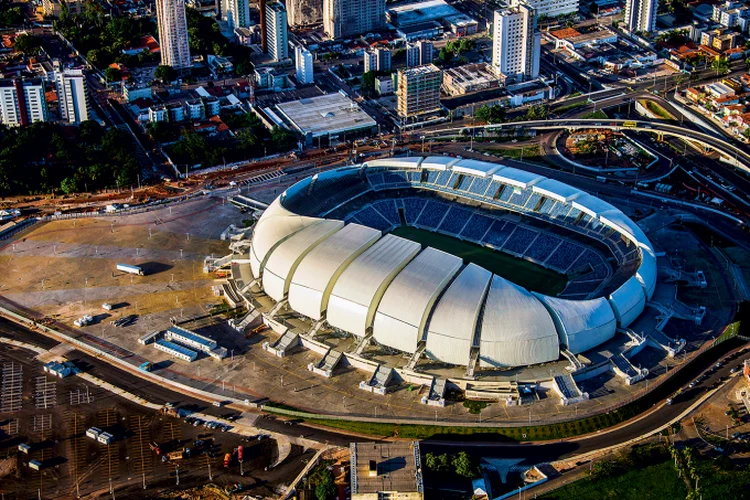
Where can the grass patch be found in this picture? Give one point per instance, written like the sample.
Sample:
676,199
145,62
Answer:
570,107
596,114
475,407
657,110
519,271
525,152
657,481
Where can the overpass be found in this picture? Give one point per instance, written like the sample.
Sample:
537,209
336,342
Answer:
740,157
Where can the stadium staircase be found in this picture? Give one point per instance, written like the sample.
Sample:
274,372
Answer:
277,308
416,356
249,319
231,294
575,365
659,340
211,264
363,343
379,381
245,202
568,390
625,369
326,365
280,348
471,367
635,337
436,396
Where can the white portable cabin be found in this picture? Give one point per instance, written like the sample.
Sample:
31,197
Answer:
127,268
93,432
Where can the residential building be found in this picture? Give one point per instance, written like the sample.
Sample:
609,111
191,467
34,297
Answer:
303,61
384,85
386,470
378,60
72,94
471,78
640,15
173,34
304,12
549,8
53,8
236,13
426,52
412,55
516,43
22,102
276,31
720,39
418,91
344,18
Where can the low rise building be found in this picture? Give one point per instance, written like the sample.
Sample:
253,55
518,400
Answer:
386,470
471,78
384,85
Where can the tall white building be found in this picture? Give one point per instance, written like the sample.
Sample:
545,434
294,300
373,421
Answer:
304,12
303,61
72,95
173,34
378,60
22,102
548,8
236,13
516,43
343,18
640,15
276,35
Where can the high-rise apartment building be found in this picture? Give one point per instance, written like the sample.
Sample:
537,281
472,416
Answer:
343,18
640,15
173,34
548,8
516,43
72,94
304,12
377,60
303,61
412,55
236,13
276,31
418,91
426,52
22,102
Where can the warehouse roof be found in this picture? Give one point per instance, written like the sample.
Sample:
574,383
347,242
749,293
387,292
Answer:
327,114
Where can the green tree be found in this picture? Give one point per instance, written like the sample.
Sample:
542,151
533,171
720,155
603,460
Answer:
29,44
165,73
113,74
10,15
326,489
283,140
491,114
720,65
747,63
247,139
368,83
537,112
69,185
464,465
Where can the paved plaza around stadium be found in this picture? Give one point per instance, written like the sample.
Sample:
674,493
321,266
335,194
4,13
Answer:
76,261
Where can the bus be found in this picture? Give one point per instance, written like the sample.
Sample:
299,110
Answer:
629,124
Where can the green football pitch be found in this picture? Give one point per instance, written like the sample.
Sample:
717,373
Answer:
521,272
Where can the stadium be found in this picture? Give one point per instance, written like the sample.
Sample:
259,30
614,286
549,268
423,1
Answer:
462,261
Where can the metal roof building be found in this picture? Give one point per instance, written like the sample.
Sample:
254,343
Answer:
326,115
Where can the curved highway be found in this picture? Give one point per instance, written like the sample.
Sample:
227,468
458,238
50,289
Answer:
720,145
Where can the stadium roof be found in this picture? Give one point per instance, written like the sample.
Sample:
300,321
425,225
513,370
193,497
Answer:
515,177
582,324
284,260
516,328
556,190
628,301
476,168
360,287
592,205
407,162
454,322
401,316
319,269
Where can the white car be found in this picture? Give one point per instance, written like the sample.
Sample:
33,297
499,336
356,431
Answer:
107,306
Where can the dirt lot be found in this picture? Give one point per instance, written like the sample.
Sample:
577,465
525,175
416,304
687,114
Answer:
52,416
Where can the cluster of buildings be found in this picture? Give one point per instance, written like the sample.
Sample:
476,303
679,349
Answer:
183,344
726,101
25,99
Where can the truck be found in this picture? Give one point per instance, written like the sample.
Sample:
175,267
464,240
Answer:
83,321
146,366
127,268
155,448
227,460
175,455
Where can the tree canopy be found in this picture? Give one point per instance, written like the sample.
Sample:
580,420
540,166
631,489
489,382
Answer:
29,44
491,114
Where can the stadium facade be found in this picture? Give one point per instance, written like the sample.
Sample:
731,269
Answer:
323,245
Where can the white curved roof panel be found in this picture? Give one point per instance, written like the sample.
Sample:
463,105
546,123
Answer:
407,302
357,292
402,162
276,224
454,321
516,328
438,162
556,190
592,205
647,271
581,324
318,271
628,302
516,177
285,257
476,168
